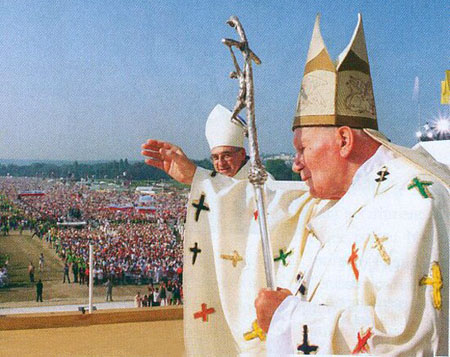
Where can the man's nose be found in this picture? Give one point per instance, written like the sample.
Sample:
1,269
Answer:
297,165
296,168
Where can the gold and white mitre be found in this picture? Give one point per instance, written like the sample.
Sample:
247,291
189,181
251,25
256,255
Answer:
222,130
341,94
338,94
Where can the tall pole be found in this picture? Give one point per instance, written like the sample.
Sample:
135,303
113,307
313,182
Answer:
91,276
258,174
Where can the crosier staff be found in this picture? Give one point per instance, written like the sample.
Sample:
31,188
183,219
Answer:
258,174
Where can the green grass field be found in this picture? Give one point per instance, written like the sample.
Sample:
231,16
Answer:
22,249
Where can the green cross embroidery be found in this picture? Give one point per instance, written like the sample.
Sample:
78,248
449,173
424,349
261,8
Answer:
421,186
283,257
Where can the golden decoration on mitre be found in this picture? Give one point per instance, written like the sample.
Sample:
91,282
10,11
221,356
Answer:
342,95
336,95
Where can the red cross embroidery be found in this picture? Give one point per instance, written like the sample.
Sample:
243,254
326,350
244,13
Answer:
204,313
362,346
255,214
352,260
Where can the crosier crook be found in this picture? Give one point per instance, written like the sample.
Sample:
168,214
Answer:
258,174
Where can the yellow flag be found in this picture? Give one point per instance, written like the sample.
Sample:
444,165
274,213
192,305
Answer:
445,89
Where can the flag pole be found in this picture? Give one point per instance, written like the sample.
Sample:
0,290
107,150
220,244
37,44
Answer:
91,276
258,174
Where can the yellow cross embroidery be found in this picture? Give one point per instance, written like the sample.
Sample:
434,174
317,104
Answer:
436,282
256,332
379,245
235,258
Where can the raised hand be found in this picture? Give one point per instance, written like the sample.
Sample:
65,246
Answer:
169,158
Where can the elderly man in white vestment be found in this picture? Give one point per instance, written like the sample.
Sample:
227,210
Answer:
222,263
367,272
375,269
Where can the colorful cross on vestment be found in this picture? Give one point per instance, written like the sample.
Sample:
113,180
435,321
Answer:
305,347
362,346
436,282
204,313
235,258
382,174
283,256
421,186
255,215
255,332
302,288
195,249
199,204
352,260
382,177
378,244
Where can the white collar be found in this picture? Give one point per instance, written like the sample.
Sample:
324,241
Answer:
381,156
356,196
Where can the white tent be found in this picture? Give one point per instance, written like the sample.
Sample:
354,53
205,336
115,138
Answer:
439,149
71,224
145,190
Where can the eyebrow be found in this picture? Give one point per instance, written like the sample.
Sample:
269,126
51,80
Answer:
225,152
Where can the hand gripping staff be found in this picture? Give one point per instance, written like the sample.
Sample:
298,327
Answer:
258,174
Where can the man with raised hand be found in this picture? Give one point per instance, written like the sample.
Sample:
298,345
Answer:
369,273
226,142
223,268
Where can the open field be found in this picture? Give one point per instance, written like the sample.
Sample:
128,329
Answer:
21,293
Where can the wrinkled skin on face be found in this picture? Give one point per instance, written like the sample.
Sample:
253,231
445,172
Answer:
320,162
227,160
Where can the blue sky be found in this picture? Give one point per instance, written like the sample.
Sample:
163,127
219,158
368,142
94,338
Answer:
89,80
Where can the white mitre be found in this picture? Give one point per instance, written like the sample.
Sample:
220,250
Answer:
221,130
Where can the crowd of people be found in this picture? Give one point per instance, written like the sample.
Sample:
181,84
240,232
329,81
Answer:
130,245
163,295
127,253
55,200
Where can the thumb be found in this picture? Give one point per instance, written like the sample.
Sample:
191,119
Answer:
286,291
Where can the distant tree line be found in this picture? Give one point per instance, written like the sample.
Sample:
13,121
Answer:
121,169
281,170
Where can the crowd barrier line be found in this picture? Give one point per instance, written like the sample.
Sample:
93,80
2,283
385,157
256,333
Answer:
99,317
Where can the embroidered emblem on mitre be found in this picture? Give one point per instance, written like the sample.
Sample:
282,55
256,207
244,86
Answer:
338,94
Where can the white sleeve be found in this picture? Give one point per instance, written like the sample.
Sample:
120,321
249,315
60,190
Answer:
404,316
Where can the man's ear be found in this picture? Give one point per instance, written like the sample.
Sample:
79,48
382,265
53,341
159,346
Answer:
346,140
243,153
